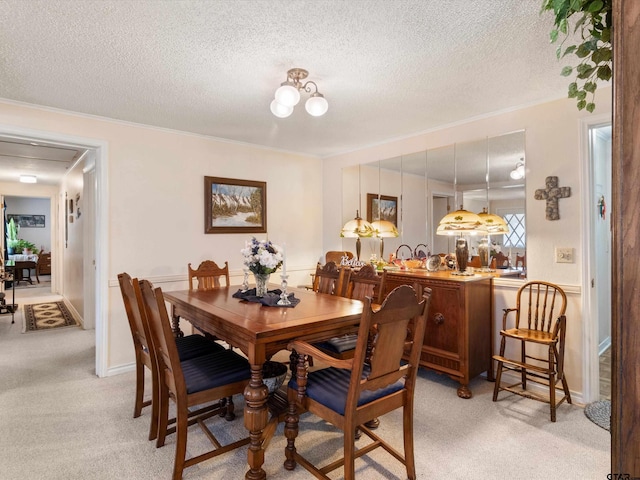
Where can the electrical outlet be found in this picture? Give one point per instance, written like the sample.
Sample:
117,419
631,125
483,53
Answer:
564,255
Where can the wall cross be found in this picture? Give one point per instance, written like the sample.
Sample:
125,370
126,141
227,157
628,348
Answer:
552,193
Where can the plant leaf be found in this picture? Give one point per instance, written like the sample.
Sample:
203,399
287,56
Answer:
581,95
582,104
586,73
583,51
566,71
591,107
604,72
606,35
570,49
595,6
573,89
590,87
553,35
575,5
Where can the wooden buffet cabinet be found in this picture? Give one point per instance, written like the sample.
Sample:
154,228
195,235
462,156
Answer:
458,336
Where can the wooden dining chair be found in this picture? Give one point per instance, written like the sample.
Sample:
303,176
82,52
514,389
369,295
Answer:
336,256
188,347
540,324
329,279
351,392
190,383
208,275
358,285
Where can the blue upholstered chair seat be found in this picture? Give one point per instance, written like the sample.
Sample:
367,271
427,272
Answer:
339,344
214,370
330,386
193,346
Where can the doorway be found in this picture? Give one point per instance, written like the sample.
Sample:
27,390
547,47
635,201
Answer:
597,269
95,209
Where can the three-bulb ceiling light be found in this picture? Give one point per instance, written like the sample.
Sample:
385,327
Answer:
518,172
288,95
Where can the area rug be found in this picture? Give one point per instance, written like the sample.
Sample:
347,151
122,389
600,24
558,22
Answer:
47,316
599,413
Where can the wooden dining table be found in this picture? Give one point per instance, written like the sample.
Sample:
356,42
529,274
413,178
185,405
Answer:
260,332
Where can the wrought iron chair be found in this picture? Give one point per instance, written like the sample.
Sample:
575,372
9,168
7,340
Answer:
540,323
351,392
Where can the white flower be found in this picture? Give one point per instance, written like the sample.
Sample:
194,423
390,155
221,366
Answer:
262,257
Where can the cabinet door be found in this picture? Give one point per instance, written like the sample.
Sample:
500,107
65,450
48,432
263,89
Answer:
445,312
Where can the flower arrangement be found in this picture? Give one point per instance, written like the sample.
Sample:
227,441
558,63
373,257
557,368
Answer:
262,256
496,248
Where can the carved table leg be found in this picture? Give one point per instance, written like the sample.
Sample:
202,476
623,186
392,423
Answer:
255,420
464,392
175,323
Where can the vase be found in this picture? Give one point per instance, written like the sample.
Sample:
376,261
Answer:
483,253
462,254
262,280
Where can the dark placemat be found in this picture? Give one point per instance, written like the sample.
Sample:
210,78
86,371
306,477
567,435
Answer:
269,300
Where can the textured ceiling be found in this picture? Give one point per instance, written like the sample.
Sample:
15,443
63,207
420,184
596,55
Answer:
387,68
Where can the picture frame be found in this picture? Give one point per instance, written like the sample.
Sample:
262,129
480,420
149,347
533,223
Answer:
27,221
234,205
382,207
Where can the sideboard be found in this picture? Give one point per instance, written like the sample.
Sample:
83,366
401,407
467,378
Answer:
458,336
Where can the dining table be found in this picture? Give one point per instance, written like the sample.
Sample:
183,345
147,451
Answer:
261,331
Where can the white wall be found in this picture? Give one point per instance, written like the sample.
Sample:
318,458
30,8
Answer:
552,146
156,204
73,250
41,237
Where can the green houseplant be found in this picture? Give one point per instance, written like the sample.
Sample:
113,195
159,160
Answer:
23,245
593,48
12,236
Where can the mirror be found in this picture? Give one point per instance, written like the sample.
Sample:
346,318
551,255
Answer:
430,183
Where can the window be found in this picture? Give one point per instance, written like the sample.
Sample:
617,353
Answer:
517,231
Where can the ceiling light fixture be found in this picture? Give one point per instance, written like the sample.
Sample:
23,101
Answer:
288,95
28,179
518,172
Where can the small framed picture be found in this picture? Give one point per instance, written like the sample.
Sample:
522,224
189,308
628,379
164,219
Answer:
382,207
234,206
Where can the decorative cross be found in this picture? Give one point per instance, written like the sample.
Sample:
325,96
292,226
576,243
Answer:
552,193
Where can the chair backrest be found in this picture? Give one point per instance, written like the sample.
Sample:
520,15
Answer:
336,256
521,261
502,261
163,340
329,279
475,262
208,275
399,326
539,305
136,315
365,283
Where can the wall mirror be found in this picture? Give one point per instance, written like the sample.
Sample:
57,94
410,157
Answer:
426,185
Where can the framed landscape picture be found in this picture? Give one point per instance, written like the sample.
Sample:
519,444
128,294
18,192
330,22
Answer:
234,206
27,221
382,207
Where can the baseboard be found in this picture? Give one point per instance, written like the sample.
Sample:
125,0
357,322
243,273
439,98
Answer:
129,367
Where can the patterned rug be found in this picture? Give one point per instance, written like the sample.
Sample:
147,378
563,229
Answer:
46,316
599,413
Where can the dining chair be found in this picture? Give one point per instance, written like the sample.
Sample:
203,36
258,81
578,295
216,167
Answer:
329,279
540,323
359,284
351,392
189,383
188,347
336,256
208,275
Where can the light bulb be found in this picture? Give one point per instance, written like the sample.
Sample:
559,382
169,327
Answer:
317,105
287,95
279,110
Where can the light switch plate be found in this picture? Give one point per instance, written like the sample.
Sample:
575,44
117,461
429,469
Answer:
564,255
